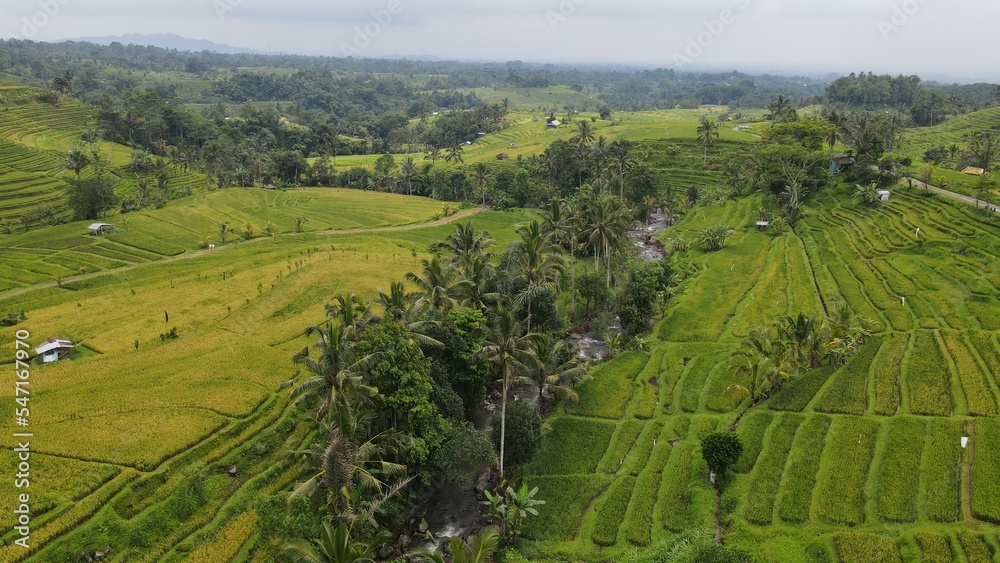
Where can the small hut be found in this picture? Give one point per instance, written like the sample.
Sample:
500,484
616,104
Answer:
554,124
503,156
883,195
101,228
763,225
54,349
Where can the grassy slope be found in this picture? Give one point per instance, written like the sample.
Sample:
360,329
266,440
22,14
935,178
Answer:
809,482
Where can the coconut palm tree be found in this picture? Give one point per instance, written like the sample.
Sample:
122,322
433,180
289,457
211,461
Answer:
464,245
337,376
508,350
621,152
77,161
433,155
481,175
708,132
438,286
454,155
223,231
778,106
407,172
549,368
584,134
539,264
606,227
479,548
335,546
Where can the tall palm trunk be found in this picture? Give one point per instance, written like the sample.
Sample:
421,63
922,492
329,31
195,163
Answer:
503,420
572,276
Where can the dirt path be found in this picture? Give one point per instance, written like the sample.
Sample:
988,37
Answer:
941,191
187,256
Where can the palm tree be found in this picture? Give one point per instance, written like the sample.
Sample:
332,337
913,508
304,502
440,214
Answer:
778,106
606,227
549,368
337,375
454,155
349,310
708,132
621,153
76,160
433,155
223,231
403,309
464,245
437,286
985,147
407,172
584,134
335,546
270,228
479,549
539,264
481,176
508,350
600,150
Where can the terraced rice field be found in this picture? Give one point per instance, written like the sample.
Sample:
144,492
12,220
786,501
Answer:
873,446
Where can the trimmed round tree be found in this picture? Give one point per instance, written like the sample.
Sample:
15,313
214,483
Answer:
721,450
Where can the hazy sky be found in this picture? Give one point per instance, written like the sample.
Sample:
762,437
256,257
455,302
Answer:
955,39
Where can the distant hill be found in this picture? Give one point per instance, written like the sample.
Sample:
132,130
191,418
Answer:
168,41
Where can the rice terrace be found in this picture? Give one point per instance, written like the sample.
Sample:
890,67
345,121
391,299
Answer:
315,309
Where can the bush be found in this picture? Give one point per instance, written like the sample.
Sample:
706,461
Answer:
463,454
941,472
721,450
886,373
899,472
859,547
575,445
767,474
523,432
849,454
611,514
986,472
934,547
927,377
795,496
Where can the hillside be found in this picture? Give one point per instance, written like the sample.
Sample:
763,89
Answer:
840,463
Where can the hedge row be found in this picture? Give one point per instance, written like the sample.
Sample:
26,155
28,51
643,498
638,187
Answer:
886,372
612,512
861,547
975,547
847,392
621,444
639,527
927,377
849,454
751,430
766,476
675,492
899,473
796,394
610,390
934,547
566,499
941,472
977,389
795,496
986,472
575,446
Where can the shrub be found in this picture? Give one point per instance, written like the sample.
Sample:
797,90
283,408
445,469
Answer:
860,547
611,514
575,445
986,472
721,450
941,472
934,547
927,377
766,476
523,432
566,499
463,453
899,472
795,496
886,373
752,429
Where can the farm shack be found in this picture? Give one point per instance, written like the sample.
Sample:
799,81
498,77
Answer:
503,156
555,123
101,228
763,225
883,195
54,349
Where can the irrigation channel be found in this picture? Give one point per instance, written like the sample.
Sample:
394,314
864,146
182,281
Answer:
451,511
